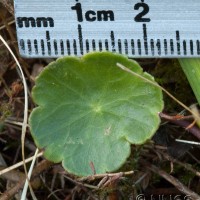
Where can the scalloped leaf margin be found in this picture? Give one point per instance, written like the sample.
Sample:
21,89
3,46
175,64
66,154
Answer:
90,112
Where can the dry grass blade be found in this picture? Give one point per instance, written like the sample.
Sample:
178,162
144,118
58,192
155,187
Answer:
6,170
9,23
188,142
158,86
25,119
24,192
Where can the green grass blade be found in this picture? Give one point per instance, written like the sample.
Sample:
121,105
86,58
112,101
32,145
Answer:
191,68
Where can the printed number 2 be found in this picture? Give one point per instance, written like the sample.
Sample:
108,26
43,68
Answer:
140,17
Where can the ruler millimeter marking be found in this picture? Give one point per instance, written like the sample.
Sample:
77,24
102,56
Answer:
137,28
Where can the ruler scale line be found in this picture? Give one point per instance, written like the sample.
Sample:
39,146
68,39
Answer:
87,45
106,45
36,46
126,46
22,45
55,44
29,46
184,47
75,47
133,46
119,46
42,47
48,42
139,47
165,47
198,47
158,44
172,46
178,43
152,47
145,38
112,37
93,45
80,37
68,47
100,45
191,47
62,47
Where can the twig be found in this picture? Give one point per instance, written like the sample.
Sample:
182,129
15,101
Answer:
172,180
185,165
98,176
175,118
183,123
83,187
81,184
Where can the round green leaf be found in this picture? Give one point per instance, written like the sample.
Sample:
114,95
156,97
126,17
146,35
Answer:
90,111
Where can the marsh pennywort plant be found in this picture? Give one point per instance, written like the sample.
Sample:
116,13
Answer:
90,111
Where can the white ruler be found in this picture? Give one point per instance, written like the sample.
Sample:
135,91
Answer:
137,28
